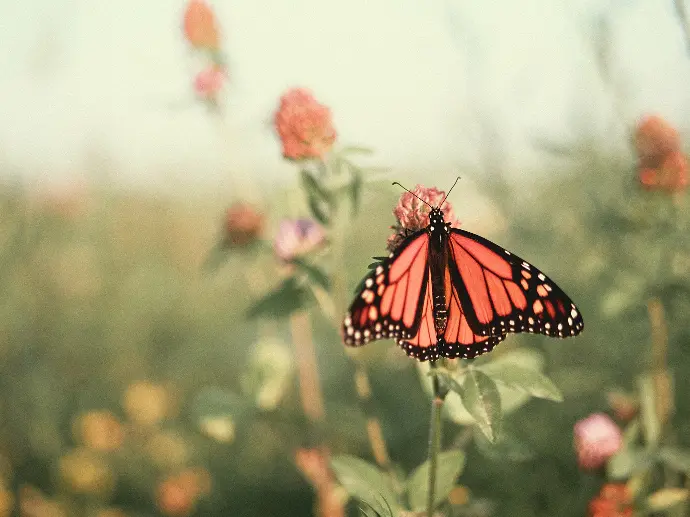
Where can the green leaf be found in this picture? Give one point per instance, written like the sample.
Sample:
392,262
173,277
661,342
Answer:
481,399
313,188
524,379
356,189
648,416
507,447
367,483
367,511
676,458
449,467
314,273
287,298
318,210
216,257
454,410
318,198
631,433
666,498
379,261
627,462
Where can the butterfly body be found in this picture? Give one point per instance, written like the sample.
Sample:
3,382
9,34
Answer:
447,292
438,231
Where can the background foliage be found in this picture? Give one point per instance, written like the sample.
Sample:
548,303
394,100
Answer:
106,308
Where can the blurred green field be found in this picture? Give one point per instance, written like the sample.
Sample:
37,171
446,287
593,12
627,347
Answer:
131,380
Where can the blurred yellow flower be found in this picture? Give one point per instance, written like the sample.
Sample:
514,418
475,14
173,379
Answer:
146,403
168,448
85,472
99,430
32,503
219,428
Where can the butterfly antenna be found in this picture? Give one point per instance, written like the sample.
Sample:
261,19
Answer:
415,195
448,193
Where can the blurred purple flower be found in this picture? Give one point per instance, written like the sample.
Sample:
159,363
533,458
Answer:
596,439
297,237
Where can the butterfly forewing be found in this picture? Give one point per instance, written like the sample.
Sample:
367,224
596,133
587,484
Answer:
500,292
389,303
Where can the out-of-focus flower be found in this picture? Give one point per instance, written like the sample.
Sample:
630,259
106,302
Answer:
86,472
219,428
99,430
662,165
296,238
671,175
655,138
330,499
177,494
200,26
268,374
33,503
168,449
624,405
411,214
597,438
304,126
243,224
459,496
174,498
146,403
209,82
199,478
614,500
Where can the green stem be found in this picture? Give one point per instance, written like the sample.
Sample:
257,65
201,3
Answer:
434,438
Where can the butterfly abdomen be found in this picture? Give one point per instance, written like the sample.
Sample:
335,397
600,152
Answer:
438,258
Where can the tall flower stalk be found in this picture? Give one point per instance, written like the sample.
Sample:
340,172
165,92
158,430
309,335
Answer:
312,250
435,432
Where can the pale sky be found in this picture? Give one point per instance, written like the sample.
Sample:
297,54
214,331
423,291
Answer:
426,84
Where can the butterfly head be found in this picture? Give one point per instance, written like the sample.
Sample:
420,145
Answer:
436,219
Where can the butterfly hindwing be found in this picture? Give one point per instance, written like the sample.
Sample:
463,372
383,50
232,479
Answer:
499,292
390,301
459,340
423,345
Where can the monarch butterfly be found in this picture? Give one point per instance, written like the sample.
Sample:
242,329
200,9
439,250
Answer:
447,292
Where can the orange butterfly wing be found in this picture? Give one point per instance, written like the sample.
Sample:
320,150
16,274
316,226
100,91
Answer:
499,292
389,303
459,339
395,301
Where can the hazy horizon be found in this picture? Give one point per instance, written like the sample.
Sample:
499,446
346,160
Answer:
426,86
